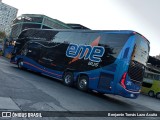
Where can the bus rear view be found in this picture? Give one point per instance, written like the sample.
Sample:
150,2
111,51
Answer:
131,80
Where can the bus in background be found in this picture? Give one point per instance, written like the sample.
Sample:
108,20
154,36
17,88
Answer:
151,84
8,46
110,62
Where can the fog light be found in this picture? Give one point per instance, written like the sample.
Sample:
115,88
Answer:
132,95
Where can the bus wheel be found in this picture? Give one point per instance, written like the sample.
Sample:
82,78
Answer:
158,95
20,64
151,93
100,93
68,78
83,83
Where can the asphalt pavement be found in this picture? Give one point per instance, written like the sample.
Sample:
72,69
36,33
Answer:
24,90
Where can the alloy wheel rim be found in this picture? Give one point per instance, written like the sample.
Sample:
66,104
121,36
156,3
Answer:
67,79
83,83
150,93
158,96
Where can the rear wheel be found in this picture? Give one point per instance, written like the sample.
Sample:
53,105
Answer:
68,79
100,93
20,64
83,83
158,95
151,93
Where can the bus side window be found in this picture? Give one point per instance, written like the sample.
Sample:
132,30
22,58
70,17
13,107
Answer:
156,77
145,75
150,76
145,84
33,51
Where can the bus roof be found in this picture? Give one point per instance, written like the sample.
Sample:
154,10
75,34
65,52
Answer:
84,30
92,31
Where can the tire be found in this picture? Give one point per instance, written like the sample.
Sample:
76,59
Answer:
20,64
68,79
83,83
100,93
151,93
158,95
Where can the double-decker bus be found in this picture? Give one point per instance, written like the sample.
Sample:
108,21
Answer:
151,84
110,62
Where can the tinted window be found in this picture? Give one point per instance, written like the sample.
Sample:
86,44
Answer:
38,34
26,26
75,37
113,44
28,19
16,30
141,51
45,27
148,85
53,56
55,24
126,53
150,76
36,19
145,75
114,40
33,51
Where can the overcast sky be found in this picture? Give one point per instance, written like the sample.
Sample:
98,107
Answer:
138,15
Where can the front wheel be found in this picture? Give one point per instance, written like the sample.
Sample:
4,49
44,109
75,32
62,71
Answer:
68,79
83,83
20,64
158,95
151,93
101,93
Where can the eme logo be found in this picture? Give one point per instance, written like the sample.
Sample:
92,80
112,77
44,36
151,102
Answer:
93,53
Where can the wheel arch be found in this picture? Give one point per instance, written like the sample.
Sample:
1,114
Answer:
19,60
82,74
67,70
152,92
158,93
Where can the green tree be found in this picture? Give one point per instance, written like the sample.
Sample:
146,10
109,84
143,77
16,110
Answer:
2,35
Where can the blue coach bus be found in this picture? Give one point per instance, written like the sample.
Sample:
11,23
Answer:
110,62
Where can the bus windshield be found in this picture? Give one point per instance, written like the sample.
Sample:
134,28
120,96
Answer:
141,50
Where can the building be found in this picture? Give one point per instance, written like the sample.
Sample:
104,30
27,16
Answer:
153,65
7,15
158,57
77,26
26,21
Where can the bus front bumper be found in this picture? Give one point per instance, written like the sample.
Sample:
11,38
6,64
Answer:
127,93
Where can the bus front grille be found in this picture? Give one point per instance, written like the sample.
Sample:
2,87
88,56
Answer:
136,72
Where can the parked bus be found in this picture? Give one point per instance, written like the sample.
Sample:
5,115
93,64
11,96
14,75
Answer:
110,62
151,84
